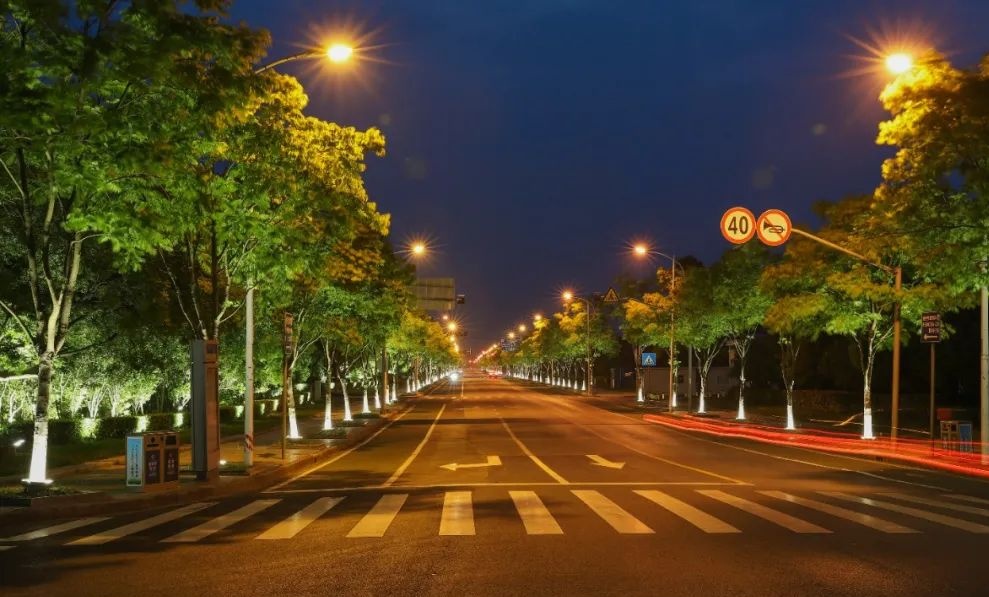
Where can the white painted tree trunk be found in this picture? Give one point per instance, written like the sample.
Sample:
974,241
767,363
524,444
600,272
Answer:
377,399
367,407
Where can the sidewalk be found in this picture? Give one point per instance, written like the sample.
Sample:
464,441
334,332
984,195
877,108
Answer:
101,485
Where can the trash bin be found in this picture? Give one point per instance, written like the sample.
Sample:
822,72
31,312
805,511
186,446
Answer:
152,460
956,436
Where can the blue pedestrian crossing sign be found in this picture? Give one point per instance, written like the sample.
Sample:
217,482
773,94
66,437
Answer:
648,359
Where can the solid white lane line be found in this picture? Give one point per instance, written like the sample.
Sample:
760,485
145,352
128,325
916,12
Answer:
612,513
340,455
291,526
58,528
412,456
864,519
696,517
534,514
931,516
458,514
774,516
141,525
219,523
903,497
966,498
6,547
535,459
377,521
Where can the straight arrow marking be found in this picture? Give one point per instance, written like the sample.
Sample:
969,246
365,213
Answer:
600,461
492,461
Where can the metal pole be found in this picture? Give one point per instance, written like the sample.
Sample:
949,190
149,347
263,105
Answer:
895,386
284,400
931,422
690,379
249,377
590,374
984,375
384,372
673,277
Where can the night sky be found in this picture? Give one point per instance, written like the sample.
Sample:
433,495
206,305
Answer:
531,140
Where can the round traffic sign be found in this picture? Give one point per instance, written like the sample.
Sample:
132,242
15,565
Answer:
774,227
738,225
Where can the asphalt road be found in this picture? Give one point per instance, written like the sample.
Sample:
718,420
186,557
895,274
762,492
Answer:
489,487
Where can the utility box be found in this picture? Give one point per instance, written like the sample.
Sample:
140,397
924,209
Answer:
205,409
152,461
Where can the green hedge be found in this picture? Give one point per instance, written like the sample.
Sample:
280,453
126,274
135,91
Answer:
228,414
164,421
64,431
19,430
116,427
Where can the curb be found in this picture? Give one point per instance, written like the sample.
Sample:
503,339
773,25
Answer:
859,451
93,503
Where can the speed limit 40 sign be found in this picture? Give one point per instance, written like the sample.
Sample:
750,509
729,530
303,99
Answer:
738,225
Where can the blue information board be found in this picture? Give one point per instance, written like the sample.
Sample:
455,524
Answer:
648,359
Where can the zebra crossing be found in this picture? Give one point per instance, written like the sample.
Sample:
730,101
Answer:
709,511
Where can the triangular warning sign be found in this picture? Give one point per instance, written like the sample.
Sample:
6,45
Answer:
611,296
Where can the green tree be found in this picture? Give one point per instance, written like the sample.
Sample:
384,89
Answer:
91,97
738,294
703,326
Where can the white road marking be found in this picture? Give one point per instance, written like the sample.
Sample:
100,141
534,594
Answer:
646,454
6,547
377,521
458,514
931,516
864,519
535,459
141,525
534,514
966,498
338,456
291,526
491,461
408,461
938,504
58,528
774,516
696,517
602,461
219,523
612,513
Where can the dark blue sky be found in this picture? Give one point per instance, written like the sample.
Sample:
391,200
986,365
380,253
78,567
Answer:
531,139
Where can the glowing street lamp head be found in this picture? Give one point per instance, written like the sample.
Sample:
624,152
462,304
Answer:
452,326
640,249
418,248
522,327
537,317
567,296
511,335
899,63
339,53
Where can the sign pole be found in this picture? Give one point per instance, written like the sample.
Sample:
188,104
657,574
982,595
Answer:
931,427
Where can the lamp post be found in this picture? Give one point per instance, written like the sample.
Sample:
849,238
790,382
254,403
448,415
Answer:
336,53
643,250
567,297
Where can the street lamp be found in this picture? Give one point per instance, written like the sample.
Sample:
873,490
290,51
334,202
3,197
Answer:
567,297
452,326
522,328
336,53
643,250
537,317
899,63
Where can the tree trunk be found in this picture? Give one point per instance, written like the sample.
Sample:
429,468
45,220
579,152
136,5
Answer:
366,407
328,407
293,422
39,449
346,399
867,432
